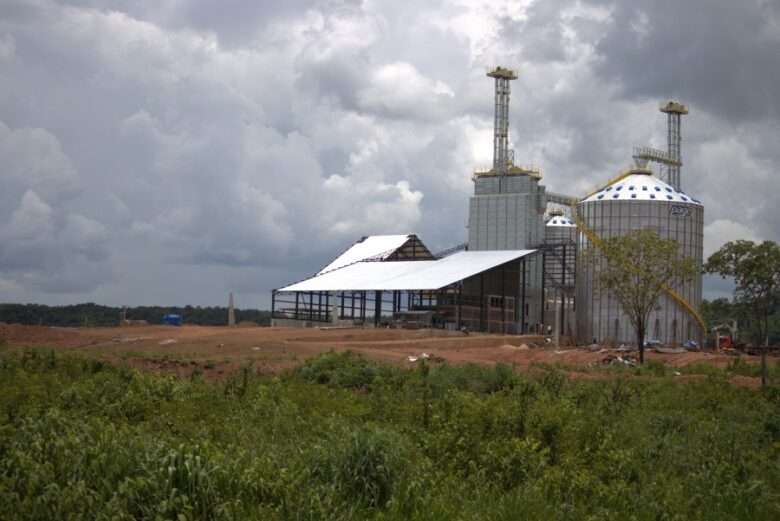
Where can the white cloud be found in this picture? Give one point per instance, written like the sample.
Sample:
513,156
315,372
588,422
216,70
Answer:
400,90
31,219
718,233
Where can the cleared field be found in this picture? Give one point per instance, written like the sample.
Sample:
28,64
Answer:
218,351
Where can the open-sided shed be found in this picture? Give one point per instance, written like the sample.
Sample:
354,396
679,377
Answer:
478,290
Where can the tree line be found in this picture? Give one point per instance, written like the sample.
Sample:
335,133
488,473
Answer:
91,314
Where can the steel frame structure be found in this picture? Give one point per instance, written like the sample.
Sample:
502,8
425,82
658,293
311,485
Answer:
559,260
494,301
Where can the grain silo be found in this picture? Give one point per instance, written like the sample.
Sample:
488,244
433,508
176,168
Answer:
639,200
559,257
559,228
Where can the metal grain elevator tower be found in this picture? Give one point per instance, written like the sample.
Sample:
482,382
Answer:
671,159
673,112
501,153
507,209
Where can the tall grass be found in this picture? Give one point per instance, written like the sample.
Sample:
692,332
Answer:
345,438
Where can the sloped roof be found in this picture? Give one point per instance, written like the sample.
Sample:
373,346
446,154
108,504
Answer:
374,247
407,275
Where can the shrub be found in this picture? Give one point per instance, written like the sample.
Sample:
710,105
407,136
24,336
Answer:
346,370
363,467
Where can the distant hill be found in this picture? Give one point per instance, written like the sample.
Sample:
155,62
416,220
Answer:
90,314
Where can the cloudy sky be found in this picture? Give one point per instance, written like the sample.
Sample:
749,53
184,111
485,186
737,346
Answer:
171,151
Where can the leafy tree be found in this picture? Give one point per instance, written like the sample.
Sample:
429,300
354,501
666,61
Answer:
755,269
720,310
638,269
756,272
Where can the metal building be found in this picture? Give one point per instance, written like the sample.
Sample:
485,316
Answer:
506,211
480,290
637,201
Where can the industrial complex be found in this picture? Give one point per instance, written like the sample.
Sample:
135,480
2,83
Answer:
521,269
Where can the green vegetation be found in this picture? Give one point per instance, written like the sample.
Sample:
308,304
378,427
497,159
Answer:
344,438
95,315
723,311
755,268
639,268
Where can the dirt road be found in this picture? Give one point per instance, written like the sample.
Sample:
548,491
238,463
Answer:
218,351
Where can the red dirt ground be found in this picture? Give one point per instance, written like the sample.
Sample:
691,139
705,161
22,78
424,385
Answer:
218,351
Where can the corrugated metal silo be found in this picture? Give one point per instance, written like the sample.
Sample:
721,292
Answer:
637,201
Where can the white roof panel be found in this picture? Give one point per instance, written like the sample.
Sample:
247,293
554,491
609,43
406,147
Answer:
371,247
407,275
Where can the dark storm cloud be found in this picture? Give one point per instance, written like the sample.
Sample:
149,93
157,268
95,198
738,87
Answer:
724,55
169,152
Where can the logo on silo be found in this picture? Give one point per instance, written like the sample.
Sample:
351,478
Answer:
680,211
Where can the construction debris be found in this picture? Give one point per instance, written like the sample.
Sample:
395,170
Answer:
671,350
521,347
424,356
129,339
629,361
